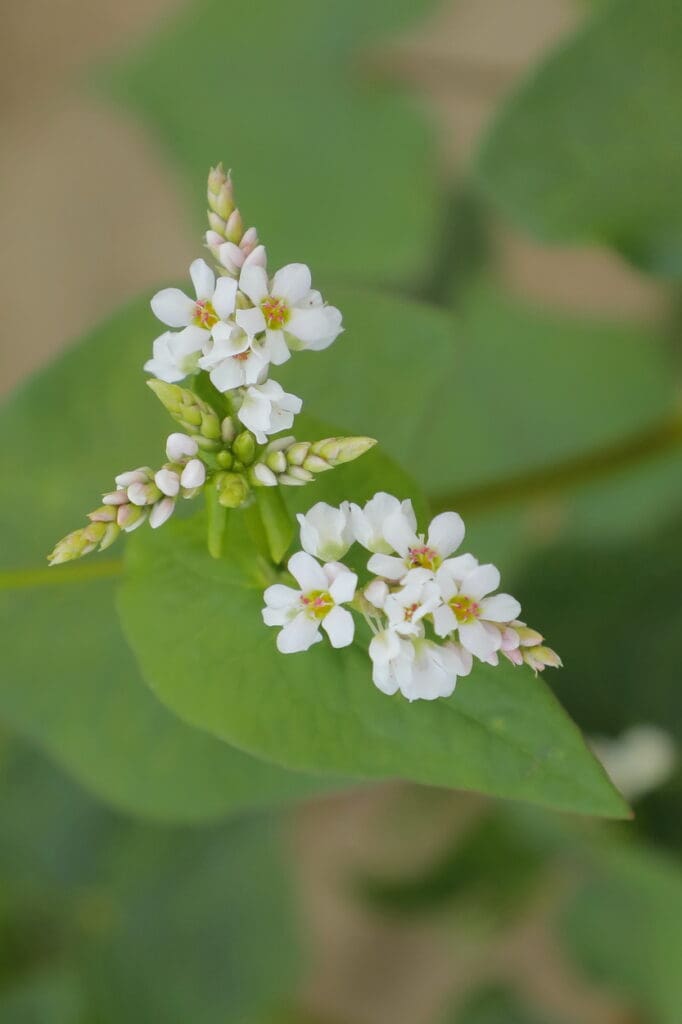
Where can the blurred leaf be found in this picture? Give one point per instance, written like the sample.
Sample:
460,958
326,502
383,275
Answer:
502,732
334,167
496,1004
69,682
497,390
625,928
51,997
492,869
588,149
159,924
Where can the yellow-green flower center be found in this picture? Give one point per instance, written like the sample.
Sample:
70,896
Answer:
205,315
466,610
275,311
317,603
423,557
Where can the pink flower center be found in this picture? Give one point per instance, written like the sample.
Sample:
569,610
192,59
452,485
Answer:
317,603
466,610
275,311
204,314
410,610
423,557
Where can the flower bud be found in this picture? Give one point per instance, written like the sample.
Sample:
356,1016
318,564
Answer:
297,452
220,193
376,593
248,245
228,430
225,459
130,517
290,481
161,511
231,257
194,474
233,490
104,514
144,494
110,534
276,461
244,447
234,228
217,226
540,657
301,474
168,482
190,411
258,257
314,464
134,476
179,446
338,450
261,475
118,497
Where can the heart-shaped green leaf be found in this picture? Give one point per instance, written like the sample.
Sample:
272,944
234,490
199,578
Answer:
197,630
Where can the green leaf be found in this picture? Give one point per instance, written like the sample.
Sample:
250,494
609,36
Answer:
636,893
68,681
496,1004
333,167
501,733
588,149
144,923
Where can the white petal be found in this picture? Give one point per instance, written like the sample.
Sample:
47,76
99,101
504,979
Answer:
399,533
280,596
194,474
224,296
291,283
203,279
384,647
481,581
167,481
276,347
300,634
446,533
343,587
251,320
253,281
307,572
339,626
388,566
172,307
332,330
500,608
179,445
259,256
444,620
476,639
308,325
161,511
376,593
254,411
228,374
460,566
445,582
276,616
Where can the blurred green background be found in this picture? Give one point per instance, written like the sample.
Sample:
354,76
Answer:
490,192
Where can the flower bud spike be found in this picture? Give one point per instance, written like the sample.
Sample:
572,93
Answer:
197,417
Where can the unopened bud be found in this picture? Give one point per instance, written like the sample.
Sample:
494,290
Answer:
191,412
314,464
234,228
338,450
244,447
134,476
168,482
130,517
144,494
233,490
217,226
225,459
261,475
231,257
301,474
276,461
179,446
540,657
118,497
161,511
104,514
258,257
219,192
296,453
290,481
228,430
194,474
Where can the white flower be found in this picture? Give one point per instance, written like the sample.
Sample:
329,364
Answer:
420,669
468,609
368,522
232,360
446,533
267,408
325,531
324,588
214,302
175,354
406,608
288,311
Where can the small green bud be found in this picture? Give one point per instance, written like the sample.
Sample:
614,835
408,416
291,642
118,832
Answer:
104,514
301,474
233,490
219,192
191,412
297,452
276,461
244,447
228,430
216,223
337,450
315,464
234,229
224,459
110,534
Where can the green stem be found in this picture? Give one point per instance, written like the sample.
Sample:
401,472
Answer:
582,469
277,523
217,522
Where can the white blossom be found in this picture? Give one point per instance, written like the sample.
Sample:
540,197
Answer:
317,604
368,522
325,531
214,302
406,608
446,533
175,354
267,408
420,669
288,312
232,359
469,610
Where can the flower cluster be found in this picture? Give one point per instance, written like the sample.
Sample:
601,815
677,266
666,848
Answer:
430,611
238,323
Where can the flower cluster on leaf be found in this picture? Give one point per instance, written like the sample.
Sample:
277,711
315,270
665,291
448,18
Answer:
431,612
225,337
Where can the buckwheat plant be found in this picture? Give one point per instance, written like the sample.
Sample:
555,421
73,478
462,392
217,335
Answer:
430,612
